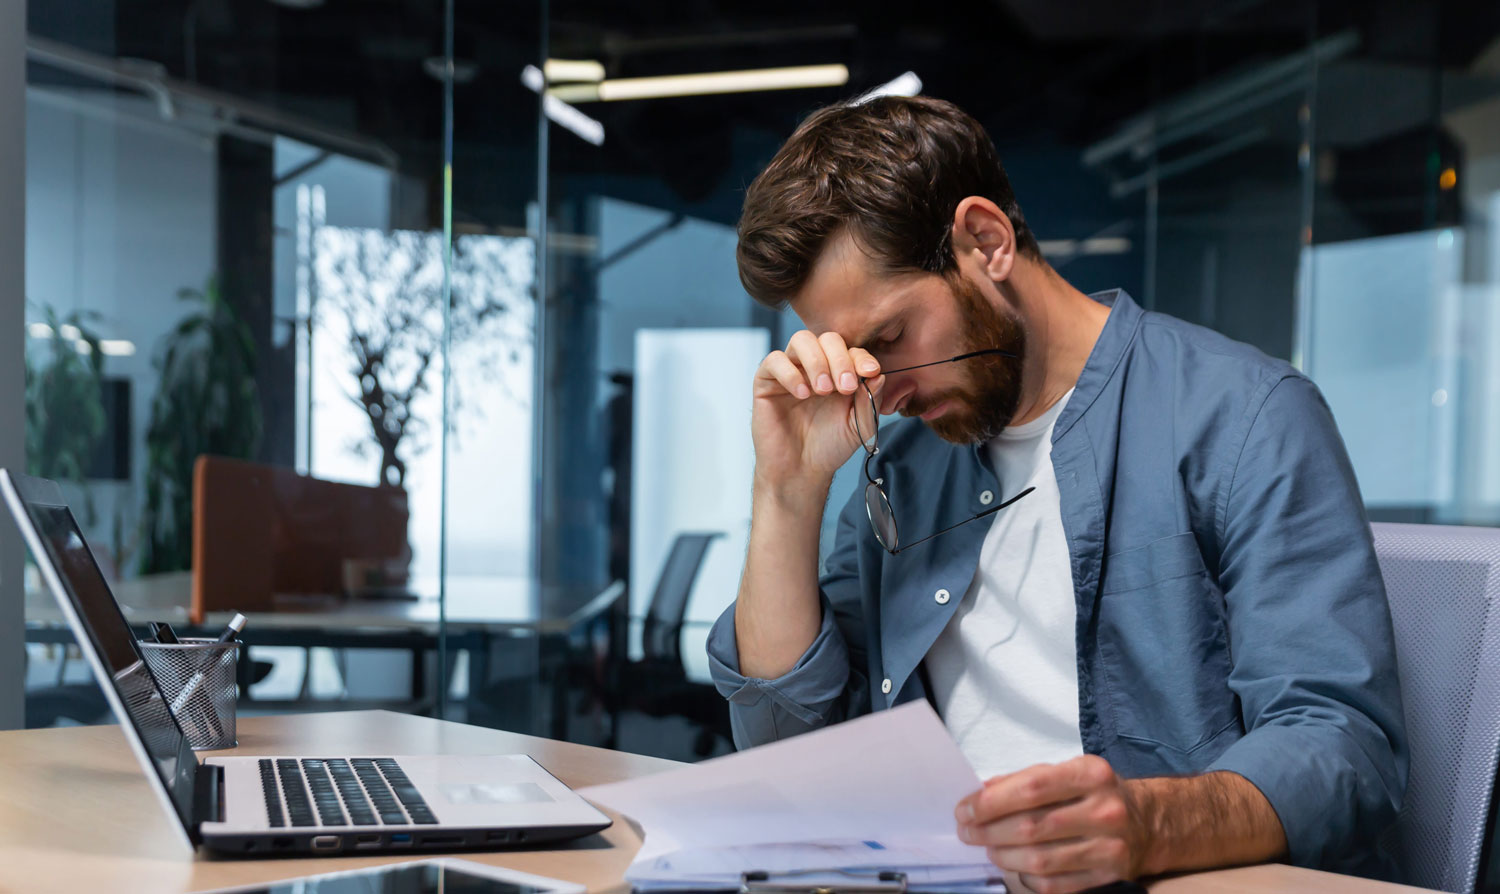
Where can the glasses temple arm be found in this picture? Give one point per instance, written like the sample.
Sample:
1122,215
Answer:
990,511
986,352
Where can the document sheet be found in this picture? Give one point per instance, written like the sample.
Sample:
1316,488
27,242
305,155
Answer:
872,794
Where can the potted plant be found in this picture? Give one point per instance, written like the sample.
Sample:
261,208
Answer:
206,401
65,401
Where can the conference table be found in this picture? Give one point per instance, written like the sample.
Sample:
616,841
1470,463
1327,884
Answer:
77,814
480,613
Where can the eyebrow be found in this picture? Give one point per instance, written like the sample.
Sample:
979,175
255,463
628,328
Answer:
869,335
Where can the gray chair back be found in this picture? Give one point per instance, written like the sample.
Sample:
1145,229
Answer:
661,636
1443,584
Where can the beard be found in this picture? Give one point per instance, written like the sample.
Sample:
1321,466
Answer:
986,402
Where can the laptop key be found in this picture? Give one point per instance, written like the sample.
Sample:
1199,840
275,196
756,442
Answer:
274,815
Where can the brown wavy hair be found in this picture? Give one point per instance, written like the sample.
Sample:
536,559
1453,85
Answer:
892,170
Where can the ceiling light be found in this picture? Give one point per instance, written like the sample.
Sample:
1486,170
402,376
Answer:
39,330
706,83
902,85
116,347
560,71
560,112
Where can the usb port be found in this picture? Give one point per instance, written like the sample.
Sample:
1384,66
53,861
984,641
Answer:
367,841
325,842
400,838
497,837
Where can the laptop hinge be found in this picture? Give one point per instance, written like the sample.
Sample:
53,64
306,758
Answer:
208,793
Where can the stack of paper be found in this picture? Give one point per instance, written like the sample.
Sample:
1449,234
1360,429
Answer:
872,794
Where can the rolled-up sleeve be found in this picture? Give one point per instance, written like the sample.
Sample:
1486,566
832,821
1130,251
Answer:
826,685
1314,662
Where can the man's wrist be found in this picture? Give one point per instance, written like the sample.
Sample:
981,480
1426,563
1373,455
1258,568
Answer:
1198,822
1146,802
795,493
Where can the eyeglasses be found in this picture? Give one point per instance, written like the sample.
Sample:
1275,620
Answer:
877,503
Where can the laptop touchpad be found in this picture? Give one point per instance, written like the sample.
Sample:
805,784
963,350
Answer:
495,793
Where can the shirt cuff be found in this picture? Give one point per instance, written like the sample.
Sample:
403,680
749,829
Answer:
1328,796
818,677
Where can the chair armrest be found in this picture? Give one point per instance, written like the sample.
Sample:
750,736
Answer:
597,606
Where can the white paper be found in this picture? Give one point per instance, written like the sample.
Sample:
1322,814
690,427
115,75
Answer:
892,778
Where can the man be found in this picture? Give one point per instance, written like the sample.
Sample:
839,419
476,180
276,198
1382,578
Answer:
1169,650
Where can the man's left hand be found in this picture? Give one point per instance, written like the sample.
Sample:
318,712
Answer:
1062,827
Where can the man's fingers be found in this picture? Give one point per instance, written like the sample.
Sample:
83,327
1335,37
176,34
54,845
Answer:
840,364
781,368
1065,883
1057,857
864,362
1056,823
1034,787
806,351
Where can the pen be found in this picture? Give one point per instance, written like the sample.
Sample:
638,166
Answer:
236,624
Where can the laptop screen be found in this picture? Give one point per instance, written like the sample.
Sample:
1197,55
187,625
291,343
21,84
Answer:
115,645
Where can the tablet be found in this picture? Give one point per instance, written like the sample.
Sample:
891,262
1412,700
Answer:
442,876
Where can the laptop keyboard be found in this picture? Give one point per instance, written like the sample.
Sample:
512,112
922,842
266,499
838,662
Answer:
339,792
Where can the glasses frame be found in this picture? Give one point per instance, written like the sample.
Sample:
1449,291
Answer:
872,449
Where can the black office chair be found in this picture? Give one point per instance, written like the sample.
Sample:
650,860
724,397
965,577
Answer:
657,685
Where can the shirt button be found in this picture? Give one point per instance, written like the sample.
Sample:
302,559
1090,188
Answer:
885,685
986,497
942,597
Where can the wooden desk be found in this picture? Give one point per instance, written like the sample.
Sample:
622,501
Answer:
76,813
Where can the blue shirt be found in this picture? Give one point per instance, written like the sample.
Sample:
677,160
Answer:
1231,614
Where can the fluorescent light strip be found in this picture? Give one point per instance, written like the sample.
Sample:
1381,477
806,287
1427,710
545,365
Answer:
573,70
902,85
583,126
748,81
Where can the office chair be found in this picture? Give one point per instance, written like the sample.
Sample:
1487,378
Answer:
1443,584
657,685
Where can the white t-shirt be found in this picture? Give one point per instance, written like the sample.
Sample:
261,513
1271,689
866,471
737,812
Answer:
1004,671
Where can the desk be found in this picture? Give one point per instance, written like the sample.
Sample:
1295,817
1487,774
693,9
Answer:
479,610
77,815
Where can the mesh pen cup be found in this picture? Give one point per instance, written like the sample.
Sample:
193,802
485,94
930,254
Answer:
198,678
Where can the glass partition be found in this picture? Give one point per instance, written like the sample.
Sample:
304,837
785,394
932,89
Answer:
239,362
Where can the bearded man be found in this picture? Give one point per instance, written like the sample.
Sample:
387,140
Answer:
1124,557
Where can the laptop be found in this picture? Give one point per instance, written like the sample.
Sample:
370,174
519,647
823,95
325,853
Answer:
326,804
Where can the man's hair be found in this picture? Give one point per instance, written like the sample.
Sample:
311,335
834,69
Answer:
892,170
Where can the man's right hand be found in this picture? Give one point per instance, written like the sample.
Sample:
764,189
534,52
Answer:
806,398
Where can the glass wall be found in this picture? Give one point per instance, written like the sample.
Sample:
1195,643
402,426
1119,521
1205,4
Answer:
238,248
1331,200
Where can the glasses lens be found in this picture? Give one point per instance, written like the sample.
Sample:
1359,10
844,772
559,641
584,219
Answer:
882,519
866,420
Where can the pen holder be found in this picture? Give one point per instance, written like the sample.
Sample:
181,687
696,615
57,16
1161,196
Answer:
197,676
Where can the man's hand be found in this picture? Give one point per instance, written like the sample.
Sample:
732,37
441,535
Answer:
1075,825
805,401
1063,827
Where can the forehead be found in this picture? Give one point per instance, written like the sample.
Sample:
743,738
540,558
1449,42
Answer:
847,294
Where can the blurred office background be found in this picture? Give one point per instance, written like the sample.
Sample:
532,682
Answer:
523,506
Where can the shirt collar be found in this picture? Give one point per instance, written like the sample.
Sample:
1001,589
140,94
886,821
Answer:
1119,330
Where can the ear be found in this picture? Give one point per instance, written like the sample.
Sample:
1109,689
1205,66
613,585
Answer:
981,231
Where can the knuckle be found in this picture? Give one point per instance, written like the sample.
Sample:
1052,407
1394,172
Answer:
1097,769
1031,789
1037,861
1110,812
1028,829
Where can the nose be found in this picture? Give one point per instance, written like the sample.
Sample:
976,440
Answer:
894,394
